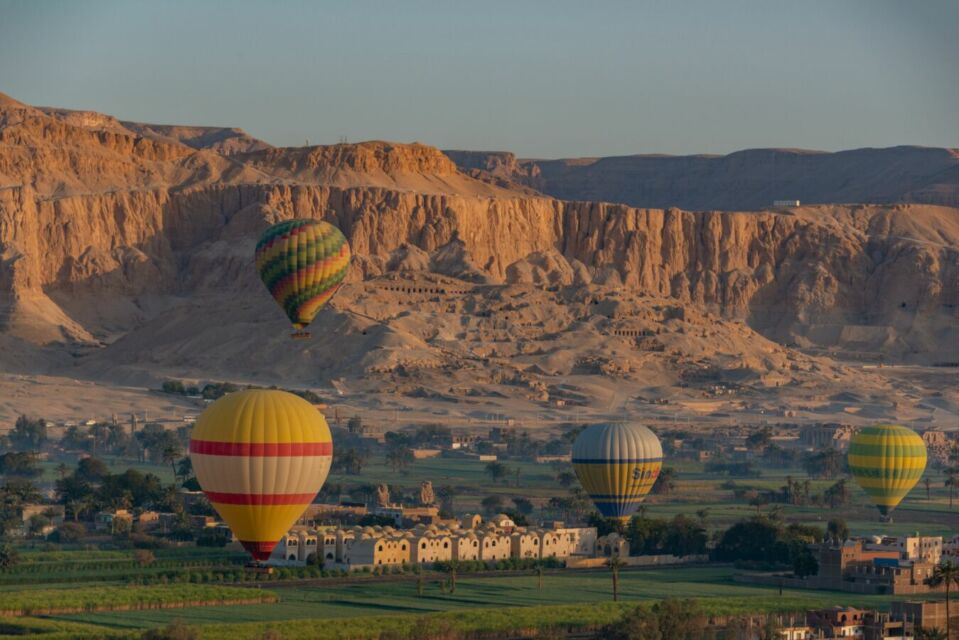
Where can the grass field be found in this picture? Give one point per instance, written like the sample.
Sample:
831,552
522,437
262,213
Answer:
711,585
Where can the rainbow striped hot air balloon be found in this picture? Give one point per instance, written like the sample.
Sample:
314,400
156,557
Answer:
617,464
302,263
261,456
887,461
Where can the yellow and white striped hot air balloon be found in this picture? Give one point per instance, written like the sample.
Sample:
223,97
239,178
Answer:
261,456
887,461
617,464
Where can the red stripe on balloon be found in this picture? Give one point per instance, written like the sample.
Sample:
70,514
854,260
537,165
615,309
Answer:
260,499
265,449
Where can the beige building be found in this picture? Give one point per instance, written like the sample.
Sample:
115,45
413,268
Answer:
524,544
431,545
500,539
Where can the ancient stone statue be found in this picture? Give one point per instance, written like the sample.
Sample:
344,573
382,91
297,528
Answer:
383,495
426,493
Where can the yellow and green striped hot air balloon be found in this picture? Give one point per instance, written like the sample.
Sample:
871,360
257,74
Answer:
260,457
617,464
887,461
302,263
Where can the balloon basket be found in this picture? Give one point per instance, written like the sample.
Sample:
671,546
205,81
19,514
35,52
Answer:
300,335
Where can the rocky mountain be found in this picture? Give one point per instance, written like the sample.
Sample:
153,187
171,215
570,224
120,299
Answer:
746,180
125,254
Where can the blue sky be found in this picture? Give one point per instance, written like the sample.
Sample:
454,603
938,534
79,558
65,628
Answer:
543,79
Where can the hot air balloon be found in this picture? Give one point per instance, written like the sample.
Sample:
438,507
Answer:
302,263
261,456
887,461
617,464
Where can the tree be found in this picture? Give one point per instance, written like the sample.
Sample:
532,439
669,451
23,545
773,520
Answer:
91,469
400,457
928,483
496,470
184,468
927,633
805,563
759,440
171,452
946,575
70,532
666,481
8,557
446,493
837,495
350,462
451,568
703,515
680,619
523,505
615,564
492,504
753,540
566,478
827,463
759,500
952,479
18,463
143,557
837,531
28,434
642,622
539,574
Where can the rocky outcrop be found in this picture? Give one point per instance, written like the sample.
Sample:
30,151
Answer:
745,180
136,224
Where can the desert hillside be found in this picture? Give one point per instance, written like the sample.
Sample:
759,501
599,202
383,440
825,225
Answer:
746,180
125,256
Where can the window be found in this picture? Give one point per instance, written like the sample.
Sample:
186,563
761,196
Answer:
379,547
446,545
423,545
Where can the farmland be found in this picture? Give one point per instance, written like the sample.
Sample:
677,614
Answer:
487,603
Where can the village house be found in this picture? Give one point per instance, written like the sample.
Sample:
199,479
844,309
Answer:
468,539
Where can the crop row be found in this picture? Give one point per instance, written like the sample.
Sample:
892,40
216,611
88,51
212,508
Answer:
55,601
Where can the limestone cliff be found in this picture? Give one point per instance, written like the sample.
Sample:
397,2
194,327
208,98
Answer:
103,231
744,180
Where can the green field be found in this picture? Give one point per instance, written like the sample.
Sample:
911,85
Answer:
377,598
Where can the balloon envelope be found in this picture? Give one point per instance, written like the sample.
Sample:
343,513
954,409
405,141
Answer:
261,456
617,464
887,461
302,263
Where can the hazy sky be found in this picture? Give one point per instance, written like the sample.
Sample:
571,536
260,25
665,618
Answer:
543,79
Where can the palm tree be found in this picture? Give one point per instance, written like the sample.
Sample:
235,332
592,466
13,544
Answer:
926,481
948,575
615,564
539,575
451,569
951,481
170,455
932,633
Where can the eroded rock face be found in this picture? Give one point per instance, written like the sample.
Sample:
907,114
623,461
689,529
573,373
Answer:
89,214
744,180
